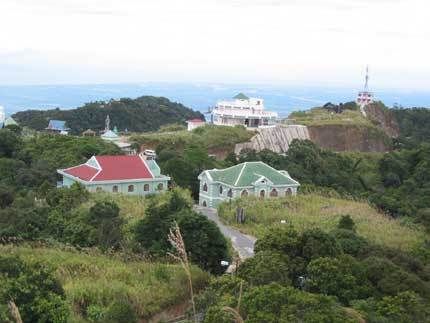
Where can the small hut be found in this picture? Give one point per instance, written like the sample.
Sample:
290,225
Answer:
89,133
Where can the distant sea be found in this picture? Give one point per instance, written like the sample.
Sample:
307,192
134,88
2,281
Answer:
200,97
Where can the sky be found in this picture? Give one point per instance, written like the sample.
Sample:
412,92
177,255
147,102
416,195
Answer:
300,42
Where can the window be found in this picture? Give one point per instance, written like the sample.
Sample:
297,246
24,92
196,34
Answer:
244,193
205,187
115,189
204,204
230,193
160,187
99,189
274,193
220,190
262,193
288,192
146,187
131,188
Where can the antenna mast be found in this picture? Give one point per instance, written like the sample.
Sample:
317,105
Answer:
366,85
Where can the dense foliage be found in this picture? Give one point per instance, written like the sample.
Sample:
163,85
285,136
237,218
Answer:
291,271
142,114
34,290
413,125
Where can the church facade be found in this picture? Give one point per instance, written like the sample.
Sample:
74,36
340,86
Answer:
246,179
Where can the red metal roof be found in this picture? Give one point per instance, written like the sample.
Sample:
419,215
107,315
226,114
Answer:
112,168
196,121
84,172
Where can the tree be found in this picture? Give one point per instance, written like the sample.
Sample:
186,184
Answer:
350,242
343,277
315,243
107,224
266,267
204,242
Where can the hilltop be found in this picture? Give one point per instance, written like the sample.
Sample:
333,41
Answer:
146,113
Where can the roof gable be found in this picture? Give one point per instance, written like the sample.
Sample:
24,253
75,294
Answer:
241,96
57,125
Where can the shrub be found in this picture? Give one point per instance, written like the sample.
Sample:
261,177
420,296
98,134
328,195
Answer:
346,223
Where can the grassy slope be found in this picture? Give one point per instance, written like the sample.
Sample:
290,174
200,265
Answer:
94,279
311,210
320,116
211,136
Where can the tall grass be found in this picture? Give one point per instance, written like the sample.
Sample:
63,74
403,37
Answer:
92,279
306,211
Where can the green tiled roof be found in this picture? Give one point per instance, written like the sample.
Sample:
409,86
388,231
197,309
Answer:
246,174
241,96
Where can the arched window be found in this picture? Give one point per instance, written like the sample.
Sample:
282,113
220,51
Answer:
115,189
230,193
220,190
146,187
131,188
273,193
288,192
160,187
244,193
99,189
205,187
204,204
262,193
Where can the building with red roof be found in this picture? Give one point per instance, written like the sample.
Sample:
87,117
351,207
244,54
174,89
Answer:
117,174
195,123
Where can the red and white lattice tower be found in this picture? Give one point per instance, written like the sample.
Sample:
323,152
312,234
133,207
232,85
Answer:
365,97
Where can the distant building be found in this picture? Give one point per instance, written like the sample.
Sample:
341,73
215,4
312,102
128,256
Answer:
2,115
112,136
195,123
10,122
89,133
117,174
246,179
57,127
245,111
4,122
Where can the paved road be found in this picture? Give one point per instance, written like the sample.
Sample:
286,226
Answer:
242,243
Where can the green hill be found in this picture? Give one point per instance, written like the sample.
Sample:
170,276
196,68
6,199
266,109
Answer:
146,113
306,211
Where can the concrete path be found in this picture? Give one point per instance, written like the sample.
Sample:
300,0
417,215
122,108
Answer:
242,243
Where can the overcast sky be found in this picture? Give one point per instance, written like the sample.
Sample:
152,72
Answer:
319,42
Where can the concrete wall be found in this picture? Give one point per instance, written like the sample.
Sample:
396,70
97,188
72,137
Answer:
122,187
277,139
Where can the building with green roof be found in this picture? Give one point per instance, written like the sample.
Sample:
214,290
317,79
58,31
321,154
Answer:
246,179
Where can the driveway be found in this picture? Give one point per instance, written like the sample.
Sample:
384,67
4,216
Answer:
242,243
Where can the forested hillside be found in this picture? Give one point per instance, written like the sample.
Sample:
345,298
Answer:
142,114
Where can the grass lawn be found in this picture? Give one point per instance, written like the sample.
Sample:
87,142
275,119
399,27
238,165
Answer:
320,116
314,211
92,279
